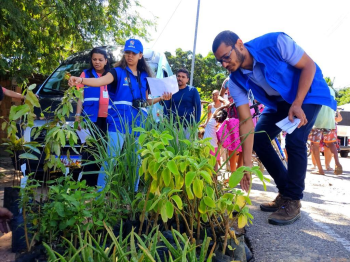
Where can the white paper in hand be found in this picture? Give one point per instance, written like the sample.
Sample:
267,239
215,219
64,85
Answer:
159,86
83,134
288,126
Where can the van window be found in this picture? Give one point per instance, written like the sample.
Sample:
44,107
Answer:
57,84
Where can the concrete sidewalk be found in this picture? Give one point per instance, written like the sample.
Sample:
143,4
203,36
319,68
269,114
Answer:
322,233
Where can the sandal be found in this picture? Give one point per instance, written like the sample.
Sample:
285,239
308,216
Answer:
317,172
338,170
329,168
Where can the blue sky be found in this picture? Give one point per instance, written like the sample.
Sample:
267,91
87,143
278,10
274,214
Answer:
321,28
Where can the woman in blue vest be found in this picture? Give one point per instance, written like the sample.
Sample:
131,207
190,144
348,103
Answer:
96,99
95,104
128,95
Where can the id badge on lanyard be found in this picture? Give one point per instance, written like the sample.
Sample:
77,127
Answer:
105,94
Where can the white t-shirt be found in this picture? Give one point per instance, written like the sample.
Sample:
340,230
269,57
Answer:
210,131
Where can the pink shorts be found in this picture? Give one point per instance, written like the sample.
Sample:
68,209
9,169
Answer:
214,153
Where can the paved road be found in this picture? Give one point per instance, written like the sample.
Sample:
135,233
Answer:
323,232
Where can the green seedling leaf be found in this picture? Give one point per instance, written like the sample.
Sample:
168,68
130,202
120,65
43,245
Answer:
172,167
198,188
202,207
189,193
169,209
210,192
209,202
166,175
31,87
178,201
28,156
235,178
189,178
163,213
206,176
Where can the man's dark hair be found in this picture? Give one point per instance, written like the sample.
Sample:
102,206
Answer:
184,70
221,116
227,37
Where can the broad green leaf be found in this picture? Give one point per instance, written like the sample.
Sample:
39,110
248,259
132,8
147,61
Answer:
28,156
189,178
59,209
198,188
235,178
242,221
178,201
31,97
163,213
179,181
144,165
209,202
209,191
183,166
142,138
31,87
172,167
240,201
166,175
206,176
139,129
169,209
202,207
189,193
154,186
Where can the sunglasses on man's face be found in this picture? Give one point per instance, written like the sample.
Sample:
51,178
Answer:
225,58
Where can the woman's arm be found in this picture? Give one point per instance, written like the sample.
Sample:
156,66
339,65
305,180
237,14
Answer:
165,96
338,117
95,82
208,116
12,94
220,108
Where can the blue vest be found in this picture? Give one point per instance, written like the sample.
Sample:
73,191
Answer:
122,116
91,97
281,76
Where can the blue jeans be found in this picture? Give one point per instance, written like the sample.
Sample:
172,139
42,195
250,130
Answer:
115,145
291,182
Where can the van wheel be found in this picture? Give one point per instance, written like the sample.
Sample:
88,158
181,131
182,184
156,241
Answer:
344,153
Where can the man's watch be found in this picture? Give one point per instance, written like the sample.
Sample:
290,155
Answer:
77,114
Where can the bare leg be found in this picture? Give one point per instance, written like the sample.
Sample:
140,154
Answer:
333,149
240,160
285,154
328,158
233,160
316,154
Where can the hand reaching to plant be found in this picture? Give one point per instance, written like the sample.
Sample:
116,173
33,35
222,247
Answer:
245,182
5,215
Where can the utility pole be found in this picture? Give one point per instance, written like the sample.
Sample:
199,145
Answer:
194,44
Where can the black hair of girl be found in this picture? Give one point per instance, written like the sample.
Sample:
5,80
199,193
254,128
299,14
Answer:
97,50
142,65
221,116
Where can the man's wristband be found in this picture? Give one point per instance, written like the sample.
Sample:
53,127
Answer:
82,80
77,114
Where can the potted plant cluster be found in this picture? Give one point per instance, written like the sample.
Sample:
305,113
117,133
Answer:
181,211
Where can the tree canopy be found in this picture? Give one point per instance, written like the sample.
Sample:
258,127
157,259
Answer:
36,35
207,75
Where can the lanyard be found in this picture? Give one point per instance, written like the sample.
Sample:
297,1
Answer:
138,82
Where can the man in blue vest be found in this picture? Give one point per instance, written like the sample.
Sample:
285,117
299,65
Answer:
289,83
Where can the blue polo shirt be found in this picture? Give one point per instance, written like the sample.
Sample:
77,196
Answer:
186,103
290,53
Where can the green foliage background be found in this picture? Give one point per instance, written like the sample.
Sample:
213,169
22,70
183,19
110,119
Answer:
35,35
207,75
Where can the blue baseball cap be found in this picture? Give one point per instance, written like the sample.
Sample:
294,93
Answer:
133,45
